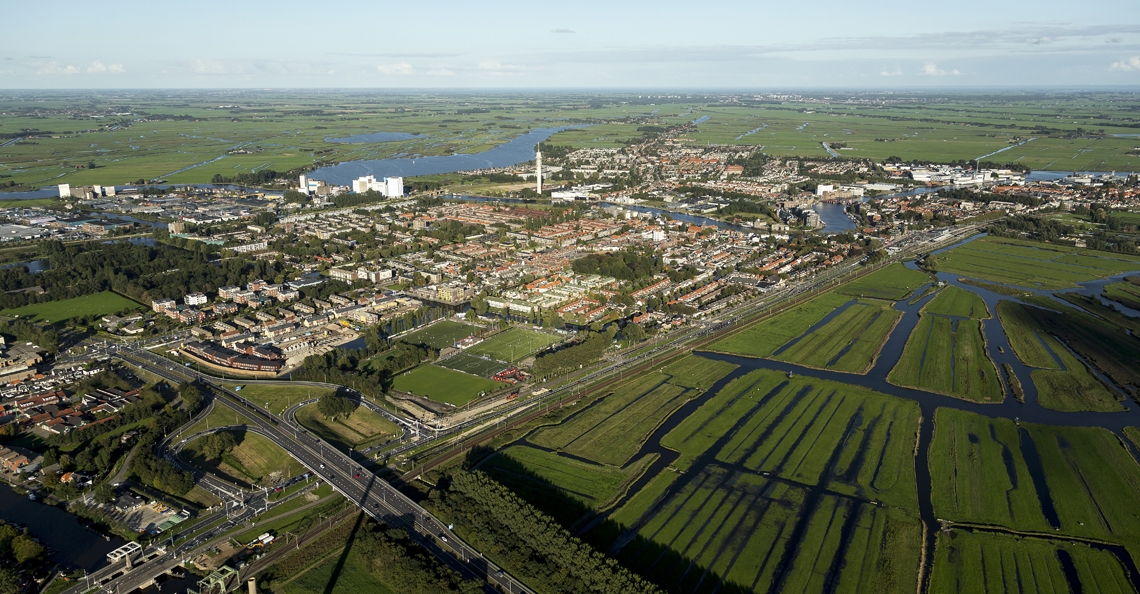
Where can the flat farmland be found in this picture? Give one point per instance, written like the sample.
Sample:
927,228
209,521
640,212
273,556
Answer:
1032,264
468,363
893,282
514,344
444,385
1126,294
956,302
99,304
764,338
985,562
848,342
440,335
948,356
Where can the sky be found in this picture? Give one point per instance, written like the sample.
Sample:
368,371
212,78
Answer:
586,44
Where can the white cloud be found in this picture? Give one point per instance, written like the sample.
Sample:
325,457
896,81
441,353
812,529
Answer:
53,67
98,67
1127,64
398,68
932,69
896,72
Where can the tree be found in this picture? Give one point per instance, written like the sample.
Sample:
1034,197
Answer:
634,332
470,316
216,444
333,405
9,580
25,549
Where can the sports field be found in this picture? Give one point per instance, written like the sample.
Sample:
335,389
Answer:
1032,264
99,304
468,363
444,385
360,429
440,335
948,356
253,461
848,342
514,344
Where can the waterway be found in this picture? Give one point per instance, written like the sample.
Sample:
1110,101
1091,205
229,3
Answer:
518,150
374,137
72,543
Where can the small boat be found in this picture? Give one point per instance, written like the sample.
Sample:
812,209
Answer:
32,496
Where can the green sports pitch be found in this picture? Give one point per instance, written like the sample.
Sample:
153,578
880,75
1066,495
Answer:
440,335
514,344
480,366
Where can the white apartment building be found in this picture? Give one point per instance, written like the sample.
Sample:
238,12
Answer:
195,299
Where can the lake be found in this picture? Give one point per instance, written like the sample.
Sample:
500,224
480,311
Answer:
519,150
71,542
374,137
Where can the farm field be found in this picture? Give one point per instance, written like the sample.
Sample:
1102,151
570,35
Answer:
468,363
893,282
956,302
1073,481
254,461
1124,293
611,430
985,562
99,304
1032,264
514,344
360,429
774,483
762,339
440,335
947,356
278,396
444,385
848,342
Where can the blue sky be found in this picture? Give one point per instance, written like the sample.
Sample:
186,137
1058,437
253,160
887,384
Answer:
570,45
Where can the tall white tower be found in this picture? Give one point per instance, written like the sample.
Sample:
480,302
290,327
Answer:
538,169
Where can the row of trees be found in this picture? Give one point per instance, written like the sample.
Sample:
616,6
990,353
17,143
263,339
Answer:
574,357
529,543
18,552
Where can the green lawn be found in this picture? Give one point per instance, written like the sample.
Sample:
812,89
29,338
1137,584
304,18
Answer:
278,396
514,344
468,363
440,335
255,461
848,342
360,429
444,385
99,304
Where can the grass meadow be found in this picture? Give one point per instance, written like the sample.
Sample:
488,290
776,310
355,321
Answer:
948,356
254,461
99,304
1032,264
360,429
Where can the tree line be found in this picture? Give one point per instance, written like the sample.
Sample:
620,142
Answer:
574,357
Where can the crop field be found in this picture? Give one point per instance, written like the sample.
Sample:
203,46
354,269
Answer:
611,430
278,396
514,344
848,342
99,304
763,339
440,335
253,461
548,479
953,301
1074,481
1125,293
893,282
468,363
948,356
774,483
444,385
362,428
1032,264
986,562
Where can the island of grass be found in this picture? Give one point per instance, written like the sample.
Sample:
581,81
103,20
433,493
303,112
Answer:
1063,382
278,396
444,385
254,460
99,304
361,428
440,335
946,353
1032,264
1125,293
514,344
850,341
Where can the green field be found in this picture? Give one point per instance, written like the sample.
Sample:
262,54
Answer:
360,429
352,575
893,282
444,385
1032,264
278,396
848,342
99,304
986,562
948,356
440,335
1125,293
953,301
254,461
763,339
514,344
468,363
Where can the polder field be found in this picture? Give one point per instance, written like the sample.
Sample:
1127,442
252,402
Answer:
514,344
1032,264
193,136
